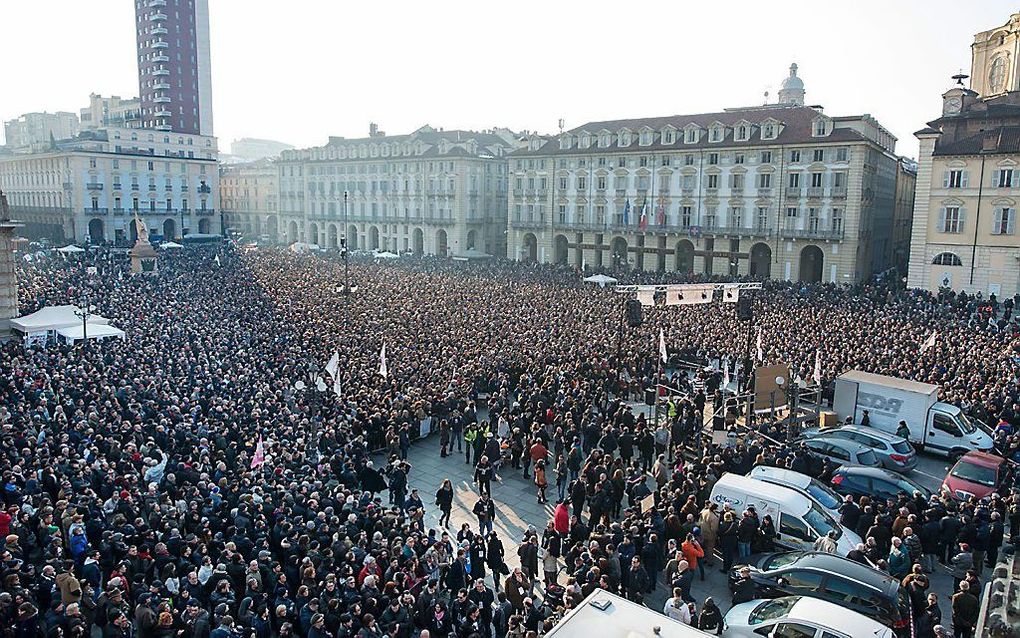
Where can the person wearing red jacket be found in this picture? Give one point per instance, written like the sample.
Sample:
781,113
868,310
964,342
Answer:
561,518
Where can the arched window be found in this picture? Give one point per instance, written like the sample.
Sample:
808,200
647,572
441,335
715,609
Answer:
997,74
946,259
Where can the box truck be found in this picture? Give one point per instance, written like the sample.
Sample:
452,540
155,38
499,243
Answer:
934,426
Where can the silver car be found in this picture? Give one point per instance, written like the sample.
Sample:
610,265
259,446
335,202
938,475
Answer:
894,452
843,451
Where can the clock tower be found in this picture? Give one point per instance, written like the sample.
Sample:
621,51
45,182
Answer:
957,99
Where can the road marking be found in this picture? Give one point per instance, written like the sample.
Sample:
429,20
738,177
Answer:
931,476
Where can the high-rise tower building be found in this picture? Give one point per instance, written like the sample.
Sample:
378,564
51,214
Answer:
174,78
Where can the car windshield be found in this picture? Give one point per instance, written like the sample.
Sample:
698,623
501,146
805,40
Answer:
772,609
821,522
821,493
965,424
867,457
975,473
781,560
901,446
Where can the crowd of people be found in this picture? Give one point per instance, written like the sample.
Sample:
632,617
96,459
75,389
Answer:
190,481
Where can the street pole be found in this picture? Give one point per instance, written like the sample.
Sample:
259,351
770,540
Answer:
346,247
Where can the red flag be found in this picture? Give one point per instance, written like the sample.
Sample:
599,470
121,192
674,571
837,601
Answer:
260,454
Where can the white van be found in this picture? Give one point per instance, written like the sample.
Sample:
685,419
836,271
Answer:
799,520
811,487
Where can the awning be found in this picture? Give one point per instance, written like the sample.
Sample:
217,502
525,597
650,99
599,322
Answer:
601,280
53,318
72,334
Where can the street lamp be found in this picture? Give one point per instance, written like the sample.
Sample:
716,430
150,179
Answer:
84,315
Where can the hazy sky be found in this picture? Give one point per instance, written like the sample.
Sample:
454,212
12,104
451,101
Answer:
300,70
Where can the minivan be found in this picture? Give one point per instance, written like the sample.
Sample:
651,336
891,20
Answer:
806,485
799,520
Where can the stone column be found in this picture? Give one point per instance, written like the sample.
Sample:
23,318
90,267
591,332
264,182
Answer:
8,279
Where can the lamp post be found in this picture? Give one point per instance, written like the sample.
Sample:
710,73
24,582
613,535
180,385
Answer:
315,387
84,315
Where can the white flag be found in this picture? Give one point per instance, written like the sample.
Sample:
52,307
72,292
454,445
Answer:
333,364
726,374
383,370
260,454
761,352
336,387
662,346
817,376
217,260
928,343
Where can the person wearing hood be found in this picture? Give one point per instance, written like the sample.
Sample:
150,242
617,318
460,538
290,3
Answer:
711,618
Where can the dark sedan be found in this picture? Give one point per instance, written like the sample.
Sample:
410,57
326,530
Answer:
875,482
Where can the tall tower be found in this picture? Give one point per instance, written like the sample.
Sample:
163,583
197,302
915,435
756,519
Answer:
174,75
8,279
792,89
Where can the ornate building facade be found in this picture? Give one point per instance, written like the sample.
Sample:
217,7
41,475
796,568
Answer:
429,192
968,182
781,190
249,196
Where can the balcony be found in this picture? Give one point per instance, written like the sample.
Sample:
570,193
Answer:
162,86
134,187
119,211
161,71
438,221
528,223
161,99
812,233
793,192
687,191
156,3
839,192
94,186
621,193
96,211
158,15
737,189
158,31
204,212
204,188
117,186
815,192
160,44
160,57
163,127
738,231
764,192
162,112
712,191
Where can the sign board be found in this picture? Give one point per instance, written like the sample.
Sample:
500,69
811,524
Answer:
768,392
647,503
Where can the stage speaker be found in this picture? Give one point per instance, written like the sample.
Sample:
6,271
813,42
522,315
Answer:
745,310
634,313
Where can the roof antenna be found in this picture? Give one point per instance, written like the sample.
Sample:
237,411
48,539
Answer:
960,77
561,124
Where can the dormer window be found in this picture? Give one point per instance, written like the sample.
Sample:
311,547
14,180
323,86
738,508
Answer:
565,143
715,134
768,131
691,135
604,140
821,128
624,138
667,137
585,140
740,133
645,138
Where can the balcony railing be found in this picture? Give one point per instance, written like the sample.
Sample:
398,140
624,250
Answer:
204,212
96,211
160,44
134,187
764,192
160,57
812,233
204,188
793,192
158,15
117,186
528,223
161,71
94,186
156,3
162,113
839,191
161,99
815,191
158,31
738,231
119,211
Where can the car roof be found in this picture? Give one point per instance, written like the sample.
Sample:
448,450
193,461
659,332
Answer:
840,566
781,474
846,444
859,429
983,459
839,618
787,496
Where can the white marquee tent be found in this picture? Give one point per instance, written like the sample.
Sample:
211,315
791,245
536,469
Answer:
170,244
72,334
47,321
601,280
70,249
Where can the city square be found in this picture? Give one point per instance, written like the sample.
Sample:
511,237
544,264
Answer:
744,372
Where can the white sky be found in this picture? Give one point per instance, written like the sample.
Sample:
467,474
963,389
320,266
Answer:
300,70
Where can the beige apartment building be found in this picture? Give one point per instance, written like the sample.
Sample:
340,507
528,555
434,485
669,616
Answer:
968,182
431,192
249,197
781,190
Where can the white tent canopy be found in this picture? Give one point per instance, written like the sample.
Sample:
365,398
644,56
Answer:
71,334
601,280
70,249
170,244
301,247
52,318
386,255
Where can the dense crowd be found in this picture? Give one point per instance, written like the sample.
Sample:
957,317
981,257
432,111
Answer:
183,482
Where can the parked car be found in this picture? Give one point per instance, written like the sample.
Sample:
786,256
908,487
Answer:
975,474
874,482
842,451
893,452
800,616
806,485
839,580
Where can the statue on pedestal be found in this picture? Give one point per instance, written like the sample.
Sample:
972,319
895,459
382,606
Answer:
143,255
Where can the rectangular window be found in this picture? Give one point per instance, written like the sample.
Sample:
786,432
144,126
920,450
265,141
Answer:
622,163
955,179
762,221
794,156
816,180
737,181
561,214
766,157
818,155
643,161
952,219
688,182
738,158
1005,178
812,219
838,180
563,183
601,183
713,159
582,183
765,180
793,180
600,215
1004,221
688,160
736,217
842,154
792,211
711,217
837,220
685,216
665,160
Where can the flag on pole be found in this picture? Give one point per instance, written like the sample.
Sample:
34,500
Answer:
336,387
383,370
817,376
260,454
726,374
661,217
333,364
928,343
662,346
626,213
761,352
643,220
217,260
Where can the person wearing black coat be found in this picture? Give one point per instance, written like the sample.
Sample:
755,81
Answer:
444,500
371,479
727,539
711,618
456,575
578,494
494,553
637,581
